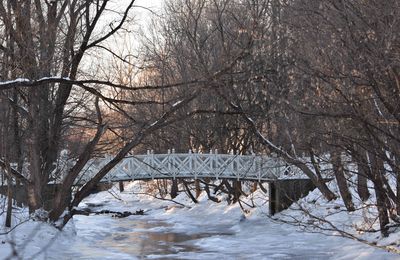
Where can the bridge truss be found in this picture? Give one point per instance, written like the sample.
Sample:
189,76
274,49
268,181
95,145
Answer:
193,166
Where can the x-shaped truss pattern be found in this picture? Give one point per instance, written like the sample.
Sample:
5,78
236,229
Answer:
191,165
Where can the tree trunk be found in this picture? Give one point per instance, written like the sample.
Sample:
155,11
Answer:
237,189
60,201
363,173
382,200
382,209
398,193
338,170
393,163
7,170
315,164
254,187
9,202
198,188
174,189
230,190
319,183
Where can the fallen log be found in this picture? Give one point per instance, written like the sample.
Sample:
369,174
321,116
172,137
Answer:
115,214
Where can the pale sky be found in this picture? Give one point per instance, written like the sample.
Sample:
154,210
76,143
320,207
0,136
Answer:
154,5
129,42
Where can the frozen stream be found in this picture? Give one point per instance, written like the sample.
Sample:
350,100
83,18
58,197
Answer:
142,237
181,230
133,237
103,237
205,230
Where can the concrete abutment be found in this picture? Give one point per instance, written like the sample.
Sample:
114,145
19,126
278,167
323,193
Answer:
282,193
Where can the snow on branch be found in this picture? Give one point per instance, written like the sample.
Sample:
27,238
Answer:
24,82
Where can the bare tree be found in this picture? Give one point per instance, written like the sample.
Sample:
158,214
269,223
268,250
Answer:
48,43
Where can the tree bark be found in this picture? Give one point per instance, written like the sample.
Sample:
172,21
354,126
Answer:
237,187
398,192
60,199
174,189
9,203
382,208
338,170
382,200
362,178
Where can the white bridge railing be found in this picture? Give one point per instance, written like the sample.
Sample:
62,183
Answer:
192,165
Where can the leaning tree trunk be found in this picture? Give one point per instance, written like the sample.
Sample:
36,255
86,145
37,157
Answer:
338,170
362,186
61,198
318,182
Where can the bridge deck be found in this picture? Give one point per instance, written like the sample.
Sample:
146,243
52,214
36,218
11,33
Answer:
191,165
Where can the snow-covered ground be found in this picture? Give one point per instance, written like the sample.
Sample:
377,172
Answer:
206,230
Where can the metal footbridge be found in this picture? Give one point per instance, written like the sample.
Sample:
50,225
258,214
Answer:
191,165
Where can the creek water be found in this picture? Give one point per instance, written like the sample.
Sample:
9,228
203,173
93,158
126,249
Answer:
141,237
105,237
196,235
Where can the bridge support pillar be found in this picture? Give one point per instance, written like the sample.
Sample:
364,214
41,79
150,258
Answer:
282,193
121,186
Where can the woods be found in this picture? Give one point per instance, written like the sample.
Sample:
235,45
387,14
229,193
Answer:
313,78
312,82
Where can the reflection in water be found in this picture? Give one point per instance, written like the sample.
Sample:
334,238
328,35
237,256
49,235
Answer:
103,237
142,241
130,238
